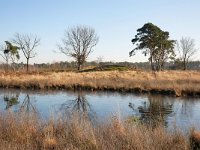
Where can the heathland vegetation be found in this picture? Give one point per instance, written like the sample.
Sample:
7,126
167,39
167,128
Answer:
79,42
22,131
179,83
165,73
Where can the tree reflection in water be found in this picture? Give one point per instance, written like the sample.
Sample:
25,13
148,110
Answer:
11,100
27,105
155,111
80,107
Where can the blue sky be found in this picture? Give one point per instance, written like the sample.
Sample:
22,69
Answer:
115,21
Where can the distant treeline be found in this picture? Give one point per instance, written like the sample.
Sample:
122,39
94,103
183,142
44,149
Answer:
64,65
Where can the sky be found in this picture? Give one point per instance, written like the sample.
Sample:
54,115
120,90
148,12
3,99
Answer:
115,22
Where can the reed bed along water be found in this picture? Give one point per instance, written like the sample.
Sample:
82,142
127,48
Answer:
179,83
22,131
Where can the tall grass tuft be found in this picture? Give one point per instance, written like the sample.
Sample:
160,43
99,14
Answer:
22,131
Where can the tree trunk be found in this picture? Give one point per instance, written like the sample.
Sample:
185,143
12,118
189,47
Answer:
184,65
7,65
27,61
152,66
162,65
79,66
159,66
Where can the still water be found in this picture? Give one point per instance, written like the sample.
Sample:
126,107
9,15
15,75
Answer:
183,113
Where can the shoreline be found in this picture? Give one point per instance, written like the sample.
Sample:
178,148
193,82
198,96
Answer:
172,83
106,89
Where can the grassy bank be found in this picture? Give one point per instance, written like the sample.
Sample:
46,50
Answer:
19,131
179,83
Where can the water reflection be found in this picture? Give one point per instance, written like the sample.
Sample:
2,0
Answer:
11,100
22,103
148,109
27,106
154,111
79,106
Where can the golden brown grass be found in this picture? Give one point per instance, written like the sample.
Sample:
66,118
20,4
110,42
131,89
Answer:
179,83
195,139
19,131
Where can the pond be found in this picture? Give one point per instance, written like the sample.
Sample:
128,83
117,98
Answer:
101,106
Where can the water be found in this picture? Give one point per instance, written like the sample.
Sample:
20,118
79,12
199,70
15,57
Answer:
101,106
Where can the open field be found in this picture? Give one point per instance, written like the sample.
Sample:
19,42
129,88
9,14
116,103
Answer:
179,83
22,131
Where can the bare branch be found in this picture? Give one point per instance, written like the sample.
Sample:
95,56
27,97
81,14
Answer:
186,49
78,42
27,44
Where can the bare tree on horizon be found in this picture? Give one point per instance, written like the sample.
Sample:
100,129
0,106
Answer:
186,49
27,43
78,43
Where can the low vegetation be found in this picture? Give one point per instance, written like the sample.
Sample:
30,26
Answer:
107,68
179,83
22,131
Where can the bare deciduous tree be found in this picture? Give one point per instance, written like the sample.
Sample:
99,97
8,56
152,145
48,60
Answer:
27,44
100,61
78,43
186,49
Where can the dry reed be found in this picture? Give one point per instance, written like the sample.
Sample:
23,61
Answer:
19,131
179,83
